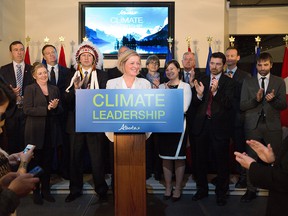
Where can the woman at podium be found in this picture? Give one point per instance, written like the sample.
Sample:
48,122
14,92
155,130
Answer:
129,63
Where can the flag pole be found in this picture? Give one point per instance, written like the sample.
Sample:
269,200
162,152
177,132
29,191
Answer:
62,59
257,53
188,40
207,70
27,54
284,75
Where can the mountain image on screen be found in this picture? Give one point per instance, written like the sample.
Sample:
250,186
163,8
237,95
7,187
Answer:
152,43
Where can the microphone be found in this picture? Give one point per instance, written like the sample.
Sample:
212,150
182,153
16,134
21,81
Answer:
148,80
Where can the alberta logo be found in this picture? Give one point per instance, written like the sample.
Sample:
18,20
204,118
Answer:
126,127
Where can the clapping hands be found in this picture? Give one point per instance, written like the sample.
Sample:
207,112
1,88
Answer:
53,104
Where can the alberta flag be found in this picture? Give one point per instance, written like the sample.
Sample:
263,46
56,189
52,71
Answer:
257,54
284,75
208,61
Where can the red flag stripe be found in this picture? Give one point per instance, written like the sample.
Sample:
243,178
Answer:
27,56
62,60
284,75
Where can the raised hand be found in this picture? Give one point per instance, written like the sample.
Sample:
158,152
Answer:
243,159
266,154
199,87
270,96
78,82
214,85
53,104
23,184
259,94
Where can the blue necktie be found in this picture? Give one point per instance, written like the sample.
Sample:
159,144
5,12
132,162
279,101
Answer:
187,77
19,78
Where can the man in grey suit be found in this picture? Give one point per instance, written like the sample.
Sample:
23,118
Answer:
262,99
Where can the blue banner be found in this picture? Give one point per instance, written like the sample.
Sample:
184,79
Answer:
129,111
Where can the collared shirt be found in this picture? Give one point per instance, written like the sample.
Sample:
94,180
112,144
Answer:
56,70
185,74
233,71
89,71
266,81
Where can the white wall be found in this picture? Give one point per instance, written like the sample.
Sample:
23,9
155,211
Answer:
197,19
12,24
264,20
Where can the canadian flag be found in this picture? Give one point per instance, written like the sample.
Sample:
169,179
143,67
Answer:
27,56
284,75
62,60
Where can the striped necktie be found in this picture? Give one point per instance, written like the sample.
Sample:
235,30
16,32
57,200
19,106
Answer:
19,78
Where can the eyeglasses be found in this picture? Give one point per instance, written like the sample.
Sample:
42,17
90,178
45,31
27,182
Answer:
154,63
2,116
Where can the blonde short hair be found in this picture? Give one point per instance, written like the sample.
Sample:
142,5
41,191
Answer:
123,58
36,66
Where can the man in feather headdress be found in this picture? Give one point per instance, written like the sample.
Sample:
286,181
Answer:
87,61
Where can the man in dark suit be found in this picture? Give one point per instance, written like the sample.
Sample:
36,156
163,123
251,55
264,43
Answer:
114,72
88,60
274,178
262,99
238,136
61,73
189,74
18,75
212,127
58,76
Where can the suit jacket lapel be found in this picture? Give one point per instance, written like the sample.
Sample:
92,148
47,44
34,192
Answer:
270,84
11,78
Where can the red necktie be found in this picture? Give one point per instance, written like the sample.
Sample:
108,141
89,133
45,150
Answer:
208,111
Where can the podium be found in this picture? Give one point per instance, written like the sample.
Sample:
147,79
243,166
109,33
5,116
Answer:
129,114
130,174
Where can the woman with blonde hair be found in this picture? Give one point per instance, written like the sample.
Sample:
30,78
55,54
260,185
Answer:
42,129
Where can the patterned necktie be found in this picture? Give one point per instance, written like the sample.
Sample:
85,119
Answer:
187,77
52,76
86,79
19,78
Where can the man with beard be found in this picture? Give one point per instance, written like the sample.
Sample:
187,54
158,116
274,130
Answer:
212,127
262,99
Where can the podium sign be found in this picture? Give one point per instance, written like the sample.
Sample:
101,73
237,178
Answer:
129,110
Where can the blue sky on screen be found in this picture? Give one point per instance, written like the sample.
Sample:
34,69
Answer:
120,21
